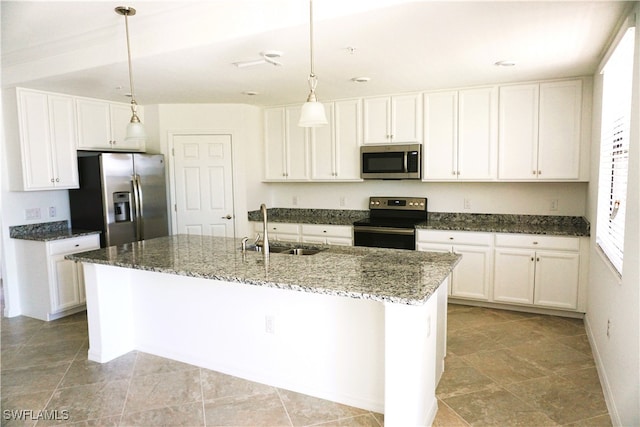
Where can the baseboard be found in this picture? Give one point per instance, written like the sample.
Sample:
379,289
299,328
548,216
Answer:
602,374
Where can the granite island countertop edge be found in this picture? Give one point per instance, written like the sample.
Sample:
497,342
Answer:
431,268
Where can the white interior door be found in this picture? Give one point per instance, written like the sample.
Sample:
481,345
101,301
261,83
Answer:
203,184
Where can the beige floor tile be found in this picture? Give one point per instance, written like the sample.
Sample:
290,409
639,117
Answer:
307,410
497,408
447,417
555,326
48,353
88,402
473,317
147,364
510,333
577,342
32,379
23,408
462,379
553,356
260,410
365,420
163,389
586,378
503,367
83,371
190,415
463,342
601,421
216,385
98,422
560,399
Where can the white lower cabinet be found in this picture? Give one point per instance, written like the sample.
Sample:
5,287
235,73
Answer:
318,234
471,278
327,234
51,286
537,270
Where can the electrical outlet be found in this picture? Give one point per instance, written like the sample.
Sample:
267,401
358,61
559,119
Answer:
52,212
32,213
467,203
553,206
343,201
270,324
608,328
294,200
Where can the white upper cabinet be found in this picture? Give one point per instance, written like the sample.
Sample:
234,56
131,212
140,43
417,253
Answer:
102,125
460,135
286,145
47,140
540,131
335,149
392,119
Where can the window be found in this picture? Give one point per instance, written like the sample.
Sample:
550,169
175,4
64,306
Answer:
614,149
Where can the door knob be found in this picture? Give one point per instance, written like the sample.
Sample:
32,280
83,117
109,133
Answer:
227,217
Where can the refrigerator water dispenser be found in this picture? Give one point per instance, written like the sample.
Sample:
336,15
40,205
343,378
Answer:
122,206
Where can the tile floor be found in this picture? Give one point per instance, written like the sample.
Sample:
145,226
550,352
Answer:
503,368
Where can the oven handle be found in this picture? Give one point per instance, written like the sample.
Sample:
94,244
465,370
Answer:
384,230
406,162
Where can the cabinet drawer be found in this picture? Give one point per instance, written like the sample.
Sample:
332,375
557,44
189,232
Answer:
74,244
281,227
326,230
454,237
534,241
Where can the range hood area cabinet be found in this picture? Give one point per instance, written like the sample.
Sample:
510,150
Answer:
393,119
47,133
327,153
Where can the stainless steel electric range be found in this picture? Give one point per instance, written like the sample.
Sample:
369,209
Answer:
391,222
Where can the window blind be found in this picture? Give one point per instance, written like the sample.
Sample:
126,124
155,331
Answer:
614,150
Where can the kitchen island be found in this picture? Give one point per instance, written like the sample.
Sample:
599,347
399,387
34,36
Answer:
361,326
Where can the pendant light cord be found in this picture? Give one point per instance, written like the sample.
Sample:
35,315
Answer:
311,35
126,26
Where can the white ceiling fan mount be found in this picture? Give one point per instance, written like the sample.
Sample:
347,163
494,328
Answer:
266,57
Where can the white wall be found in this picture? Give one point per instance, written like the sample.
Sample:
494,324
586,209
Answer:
609,297
503,198
244,122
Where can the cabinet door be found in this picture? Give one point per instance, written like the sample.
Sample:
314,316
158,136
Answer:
406,119
323,150
348,137
514,276
35,141
65,289
274,150
477,136
518,132
556,283
377,120
472,275
63,139
296,140
559,130
441,135
94,124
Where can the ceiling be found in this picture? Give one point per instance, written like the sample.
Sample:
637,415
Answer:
183,51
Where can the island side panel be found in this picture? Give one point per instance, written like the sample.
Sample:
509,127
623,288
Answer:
326,346
411,341
109,311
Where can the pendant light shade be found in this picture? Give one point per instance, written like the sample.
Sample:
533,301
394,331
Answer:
312,114
135,129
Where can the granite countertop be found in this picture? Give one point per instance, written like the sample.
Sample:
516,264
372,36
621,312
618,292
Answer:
47,231
490,223
387,275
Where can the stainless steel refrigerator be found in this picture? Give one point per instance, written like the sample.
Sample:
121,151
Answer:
123,195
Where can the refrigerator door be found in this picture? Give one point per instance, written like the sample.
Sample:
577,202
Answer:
117,173
151,196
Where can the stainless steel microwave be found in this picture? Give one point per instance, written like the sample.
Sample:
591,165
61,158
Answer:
390,161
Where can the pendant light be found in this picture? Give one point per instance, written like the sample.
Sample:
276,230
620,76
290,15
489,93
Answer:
312,114
135,129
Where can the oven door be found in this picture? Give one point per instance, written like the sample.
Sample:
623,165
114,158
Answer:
384,237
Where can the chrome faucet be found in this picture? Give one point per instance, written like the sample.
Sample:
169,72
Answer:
265,236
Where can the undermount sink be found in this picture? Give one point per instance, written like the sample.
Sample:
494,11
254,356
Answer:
290,250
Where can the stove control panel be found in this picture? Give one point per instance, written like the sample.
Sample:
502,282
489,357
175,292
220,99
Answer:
398,203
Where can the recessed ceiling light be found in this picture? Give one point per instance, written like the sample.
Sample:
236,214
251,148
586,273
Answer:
250,93
505,64
360,79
